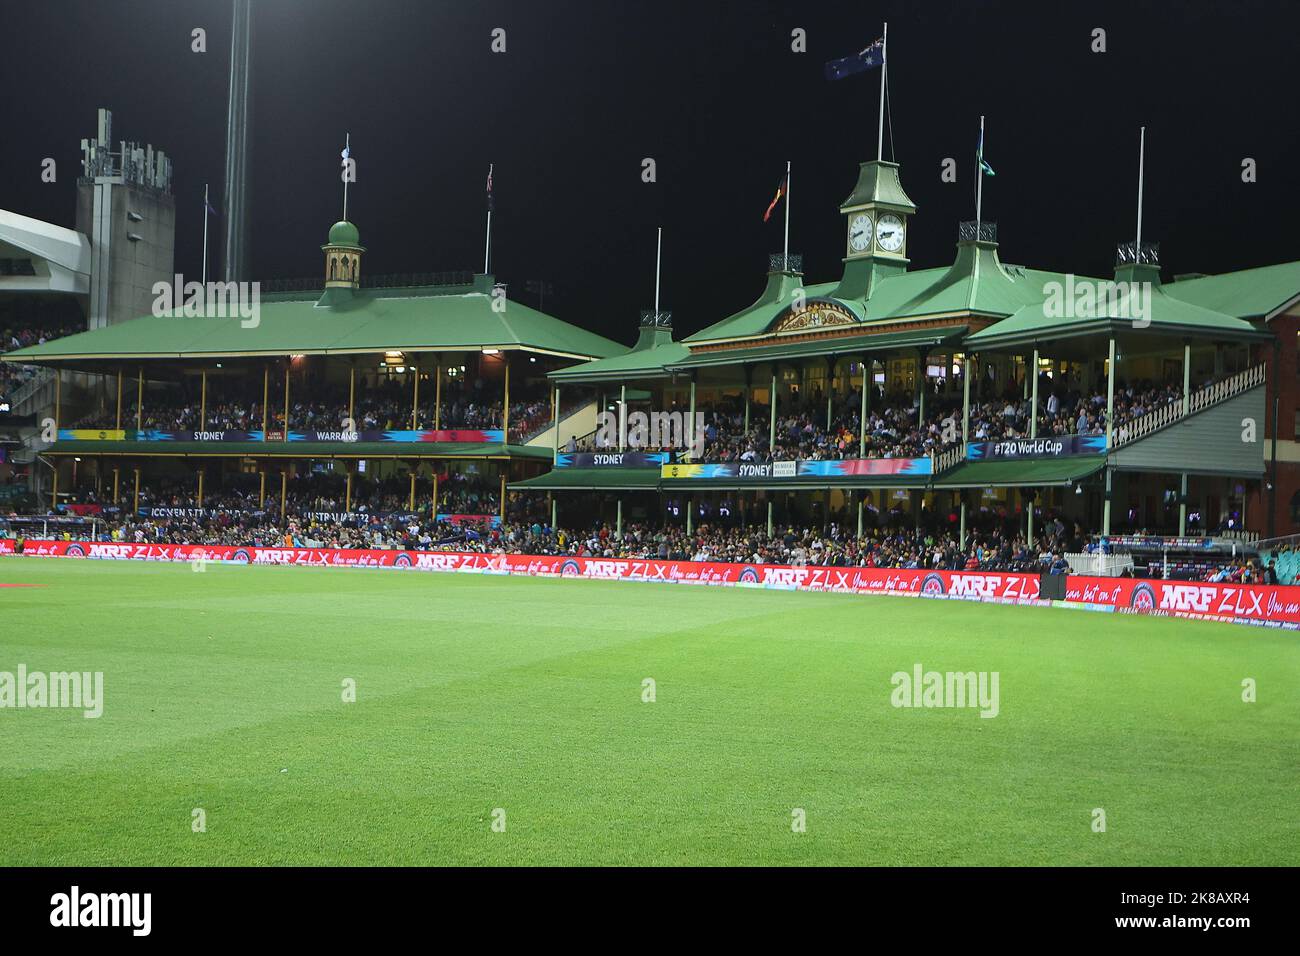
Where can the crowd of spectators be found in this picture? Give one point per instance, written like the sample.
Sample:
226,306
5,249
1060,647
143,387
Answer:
894,428
792,545
371,412
317,515
31,331
459,492
833,546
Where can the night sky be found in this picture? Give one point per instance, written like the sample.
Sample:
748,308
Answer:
714,94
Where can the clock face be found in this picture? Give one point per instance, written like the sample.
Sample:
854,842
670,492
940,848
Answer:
890,233
860,232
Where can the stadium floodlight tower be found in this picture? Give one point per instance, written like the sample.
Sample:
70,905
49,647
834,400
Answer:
235,267
125,205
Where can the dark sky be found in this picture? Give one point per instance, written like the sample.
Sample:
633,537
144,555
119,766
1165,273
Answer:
713,92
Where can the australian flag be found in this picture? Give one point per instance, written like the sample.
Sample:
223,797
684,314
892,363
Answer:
868,59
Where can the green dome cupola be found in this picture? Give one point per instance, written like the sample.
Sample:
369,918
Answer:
343,233
343,256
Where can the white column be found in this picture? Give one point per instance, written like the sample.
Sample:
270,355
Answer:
1033,404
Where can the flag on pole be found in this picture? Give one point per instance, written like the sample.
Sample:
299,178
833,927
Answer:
780,191
985,168
868,59
346,154
208,206
491,203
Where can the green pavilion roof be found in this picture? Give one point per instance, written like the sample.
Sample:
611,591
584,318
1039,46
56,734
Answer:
1249,294
976,282
639,363
593,479
459,318
1032,472
838,345
1169,315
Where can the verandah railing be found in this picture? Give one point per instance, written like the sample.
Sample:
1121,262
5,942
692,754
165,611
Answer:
1197,401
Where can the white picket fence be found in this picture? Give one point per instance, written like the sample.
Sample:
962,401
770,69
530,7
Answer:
948,459
1099,565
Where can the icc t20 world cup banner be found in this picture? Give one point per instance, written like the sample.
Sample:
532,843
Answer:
1258,604
491,436
1057,446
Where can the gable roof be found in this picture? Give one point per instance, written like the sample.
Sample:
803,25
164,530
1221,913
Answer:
638,363
1247,294
1168,315
419,320
754,320
976,281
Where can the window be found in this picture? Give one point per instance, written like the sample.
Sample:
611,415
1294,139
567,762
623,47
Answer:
17,267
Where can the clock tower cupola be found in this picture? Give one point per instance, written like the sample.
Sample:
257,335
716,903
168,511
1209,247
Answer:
876,216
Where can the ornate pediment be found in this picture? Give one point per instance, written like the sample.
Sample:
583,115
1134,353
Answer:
813,315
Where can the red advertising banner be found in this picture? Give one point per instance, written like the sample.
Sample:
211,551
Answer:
1263,605
1267,605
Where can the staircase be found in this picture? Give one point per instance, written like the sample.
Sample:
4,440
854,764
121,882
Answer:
33,396
578,423
1197,401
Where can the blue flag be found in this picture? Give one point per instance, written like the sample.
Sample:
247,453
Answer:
868,59
985,168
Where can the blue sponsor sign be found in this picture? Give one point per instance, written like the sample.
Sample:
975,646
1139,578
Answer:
613,459
1054,446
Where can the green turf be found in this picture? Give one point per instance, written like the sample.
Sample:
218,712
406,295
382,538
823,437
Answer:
223,691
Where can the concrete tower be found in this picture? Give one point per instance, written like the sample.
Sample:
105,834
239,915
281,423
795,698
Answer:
126,208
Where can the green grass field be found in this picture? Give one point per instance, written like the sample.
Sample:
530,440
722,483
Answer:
223,691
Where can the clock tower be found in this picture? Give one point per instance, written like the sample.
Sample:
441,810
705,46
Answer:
876,217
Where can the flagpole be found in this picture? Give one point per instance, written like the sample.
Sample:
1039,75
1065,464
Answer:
979,185
884,65
205,235
347,146
785,267
1142,149
658,259
487,247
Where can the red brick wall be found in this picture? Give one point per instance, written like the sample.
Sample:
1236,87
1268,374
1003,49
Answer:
1283,384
